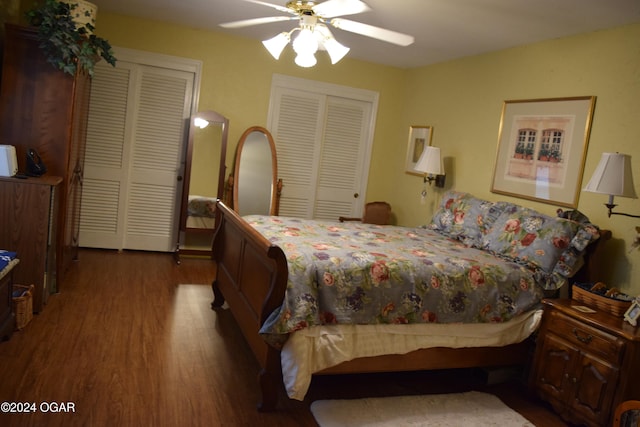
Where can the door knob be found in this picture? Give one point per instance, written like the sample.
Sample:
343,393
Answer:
356,195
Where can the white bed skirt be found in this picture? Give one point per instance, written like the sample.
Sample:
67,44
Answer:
319,347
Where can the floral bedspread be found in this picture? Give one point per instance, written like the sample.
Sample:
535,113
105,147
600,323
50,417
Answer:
354,273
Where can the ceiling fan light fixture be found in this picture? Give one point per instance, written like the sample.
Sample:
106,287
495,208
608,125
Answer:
305,43
314,19
335,49
306,60
276,45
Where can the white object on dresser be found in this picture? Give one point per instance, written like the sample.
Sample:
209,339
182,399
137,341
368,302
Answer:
8,160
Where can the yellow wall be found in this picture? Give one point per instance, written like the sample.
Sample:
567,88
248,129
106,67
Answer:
461,99
236,78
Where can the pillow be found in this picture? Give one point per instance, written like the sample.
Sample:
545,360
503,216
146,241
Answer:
464,217
541,241
572,259
525,235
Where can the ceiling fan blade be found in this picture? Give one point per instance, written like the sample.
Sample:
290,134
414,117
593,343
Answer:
256,21
333,8
275,6
374,32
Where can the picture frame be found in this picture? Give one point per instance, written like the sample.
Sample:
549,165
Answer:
419,138
633,313
542,147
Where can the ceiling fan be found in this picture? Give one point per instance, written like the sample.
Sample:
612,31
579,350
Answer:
314,18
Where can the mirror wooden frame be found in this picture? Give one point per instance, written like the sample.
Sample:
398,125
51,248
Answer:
276,185
214,118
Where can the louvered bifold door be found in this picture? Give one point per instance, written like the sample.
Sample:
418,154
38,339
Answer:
298,131
135,142
321,144
104,168
342,159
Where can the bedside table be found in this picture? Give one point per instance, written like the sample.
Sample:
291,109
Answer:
585,364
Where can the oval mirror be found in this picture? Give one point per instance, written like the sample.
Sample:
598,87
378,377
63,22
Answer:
255,174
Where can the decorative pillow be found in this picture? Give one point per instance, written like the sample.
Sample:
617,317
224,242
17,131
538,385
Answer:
555,245
464,217
572,259
528,236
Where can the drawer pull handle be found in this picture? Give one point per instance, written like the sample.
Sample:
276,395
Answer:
585,339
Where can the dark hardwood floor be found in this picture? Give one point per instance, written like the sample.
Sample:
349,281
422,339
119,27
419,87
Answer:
131,340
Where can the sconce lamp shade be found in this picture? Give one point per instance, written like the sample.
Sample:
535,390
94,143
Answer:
430,162
613,176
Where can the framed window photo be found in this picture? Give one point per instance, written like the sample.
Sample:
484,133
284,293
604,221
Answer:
419,138
633,313
542,146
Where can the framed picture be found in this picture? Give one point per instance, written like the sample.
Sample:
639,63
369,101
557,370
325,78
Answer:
419,138
542,146
633,313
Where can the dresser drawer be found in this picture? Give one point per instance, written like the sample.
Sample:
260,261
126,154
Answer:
592,340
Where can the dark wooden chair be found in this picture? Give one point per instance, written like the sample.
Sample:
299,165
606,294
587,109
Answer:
627,414
374,213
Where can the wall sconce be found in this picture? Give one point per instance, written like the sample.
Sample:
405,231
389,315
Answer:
430,163
613,177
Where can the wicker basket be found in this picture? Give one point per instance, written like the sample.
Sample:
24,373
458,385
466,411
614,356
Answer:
23,306
610,305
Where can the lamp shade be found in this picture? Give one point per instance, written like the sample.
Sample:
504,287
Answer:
276,45
305,43
335,50
430,161
306,60
613,176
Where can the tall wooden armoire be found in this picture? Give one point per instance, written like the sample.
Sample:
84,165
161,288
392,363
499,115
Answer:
46,109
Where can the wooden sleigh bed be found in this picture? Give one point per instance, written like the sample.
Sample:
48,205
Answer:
252,277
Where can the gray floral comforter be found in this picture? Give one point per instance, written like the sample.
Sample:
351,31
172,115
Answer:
354,273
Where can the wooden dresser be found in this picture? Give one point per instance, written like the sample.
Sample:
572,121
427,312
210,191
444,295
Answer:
28,208
585,363
43,108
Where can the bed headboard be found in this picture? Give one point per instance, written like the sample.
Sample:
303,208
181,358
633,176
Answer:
593,268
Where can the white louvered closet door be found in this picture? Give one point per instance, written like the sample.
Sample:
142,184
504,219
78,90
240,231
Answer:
297,132
135,145
323,144
339,187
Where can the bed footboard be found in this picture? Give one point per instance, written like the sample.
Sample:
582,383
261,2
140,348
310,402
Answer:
251,276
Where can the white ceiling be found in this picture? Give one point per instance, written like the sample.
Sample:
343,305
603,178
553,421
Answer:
443,29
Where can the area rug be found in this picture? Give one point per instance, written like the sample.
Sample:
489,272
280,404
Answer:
457,409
